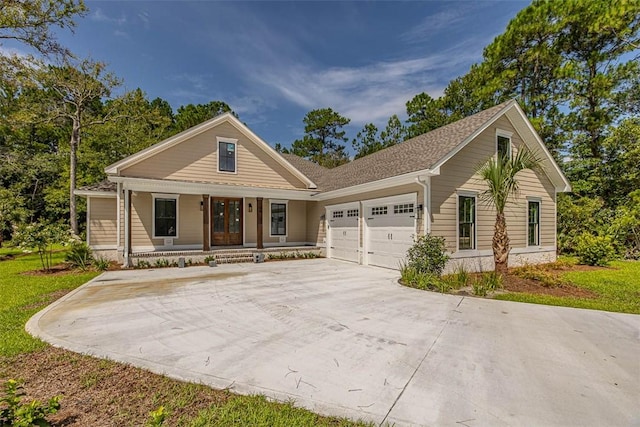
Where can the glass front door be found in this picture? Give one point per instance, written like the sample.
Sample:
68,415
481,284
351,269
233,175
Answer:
226,227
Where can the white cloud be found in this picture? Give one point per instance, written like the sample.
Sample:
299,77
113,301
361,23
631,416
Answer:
120,33
100,16
456,17
144,17
369,93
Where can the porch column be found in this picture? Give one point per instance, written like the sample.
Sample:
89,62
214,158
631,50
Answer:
206,229
259,215
127,228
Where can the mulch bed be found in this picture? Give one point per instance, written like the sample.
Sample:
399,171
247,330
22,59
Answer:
103,393
518,284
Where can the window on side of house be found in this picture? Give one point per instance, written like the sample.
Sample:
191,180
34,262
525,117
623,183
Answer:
278,219
533,223
503,145
165,216
226,156
466,222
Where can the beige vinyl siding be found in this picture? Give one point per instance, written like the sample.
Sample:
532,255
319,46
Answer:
102,221
316,227
189,221
459,174
196,160
251,220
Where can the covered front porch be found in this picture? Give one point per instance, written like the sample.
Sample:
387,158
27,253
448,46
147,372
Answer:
162,219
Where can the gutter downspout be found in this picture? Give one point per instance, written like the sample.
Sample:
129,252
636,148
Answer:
425,182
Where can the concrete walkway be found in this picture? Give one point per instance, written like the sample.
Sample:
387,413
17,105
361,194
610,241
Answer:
343,339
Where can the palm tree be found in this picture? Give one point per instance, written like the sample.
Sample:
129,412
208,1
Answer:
499,173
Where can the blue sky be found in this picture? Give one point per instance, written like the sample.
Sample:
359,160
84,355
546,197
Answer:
275,61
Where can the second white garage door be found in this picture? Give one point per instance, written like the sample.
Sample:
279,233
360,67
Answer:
343,232
390,225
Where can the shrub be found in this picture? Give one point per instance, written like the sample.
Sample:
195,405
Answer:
14,412
540,273
479,289
413,278
41,236
461,276
427,255
209,258
594,250
79,256
161,263
101,264
142,264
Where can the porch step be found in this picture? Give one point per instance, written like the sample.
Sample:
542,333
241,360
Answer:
233,257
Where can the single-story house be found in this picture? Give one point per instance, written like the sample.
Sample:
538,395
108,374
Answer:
218,185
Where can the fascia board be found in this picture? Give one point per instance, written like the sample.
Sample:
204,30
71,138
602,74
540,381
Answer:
408,178
195,188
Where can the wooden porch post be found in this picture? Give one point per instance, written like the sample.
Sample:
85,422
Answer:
206,230
127,228
259,215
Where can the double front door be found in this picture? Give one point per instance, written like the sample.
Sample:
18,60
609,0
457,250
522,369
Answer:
226,229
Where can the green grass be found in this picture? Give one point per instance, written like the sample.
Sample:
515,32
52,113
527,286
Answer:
22,296
617,289
258,411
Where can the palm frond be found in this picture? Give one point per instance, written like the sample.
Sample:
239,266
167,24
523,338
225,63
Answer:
499,173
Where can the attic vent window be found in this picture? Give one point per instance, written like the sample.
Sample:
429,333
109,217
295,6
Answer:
503,147
227,156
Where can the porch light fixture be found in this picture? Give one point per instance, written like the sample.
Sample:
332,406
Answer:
250,208
201,205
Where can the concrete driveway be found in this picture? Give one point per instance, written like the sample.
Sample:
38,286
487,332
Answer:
343,339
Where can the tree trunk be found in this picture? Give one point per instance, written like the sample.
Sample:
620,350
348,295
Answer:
73,161
501,245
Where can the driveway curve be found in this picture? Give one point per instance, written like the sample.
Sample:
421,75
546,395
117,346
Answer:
344,339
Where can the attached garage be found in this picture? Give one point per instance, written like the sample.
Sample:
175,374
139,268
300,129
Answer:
389,229
343,232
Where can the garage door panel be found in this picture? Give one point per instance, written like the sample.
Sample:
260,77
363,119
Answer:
390,233
344,236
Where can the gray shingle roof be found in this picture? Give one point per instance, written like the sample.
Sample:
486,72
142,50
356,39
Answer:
104,186
313,171
413,155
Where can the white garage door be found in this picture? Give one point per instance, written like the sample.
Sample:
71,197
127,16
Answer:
343,233
390,227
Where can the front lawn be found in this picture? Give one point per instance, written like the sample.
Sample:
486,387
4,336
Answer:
614,288
22,295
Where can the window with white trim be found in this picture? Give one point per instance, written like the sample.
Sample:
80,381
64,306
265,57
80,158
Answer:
503,146
379,210
165,216
226,156
403,208
337,214
533,223
278,219
353,212
466,222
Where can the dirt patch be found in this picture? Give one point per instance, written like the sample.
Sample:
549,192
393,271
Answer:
529,286
56,270
103,393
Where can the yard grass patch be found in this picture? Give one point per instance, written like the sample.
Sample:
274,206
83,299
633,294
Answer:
24,295
617,288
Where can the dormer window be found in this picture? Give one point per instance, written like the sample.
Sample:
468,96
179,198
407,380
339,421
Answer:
503,144
227,155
